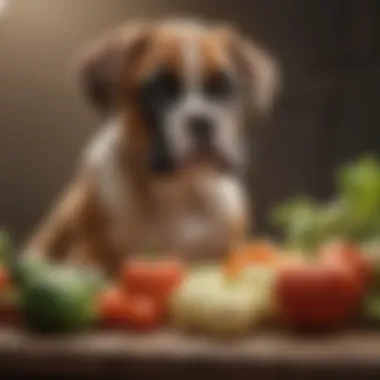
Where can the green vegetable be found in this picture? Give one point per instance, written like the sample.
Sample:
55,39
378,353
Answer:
59,301
372,251
53,298
217,305
371,305
359,188
94,279
23,268
371,309
353,214
27,269
56,298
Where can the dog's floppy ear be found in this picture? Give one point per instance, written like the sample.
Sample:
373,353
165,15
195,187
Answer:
260,69
101,66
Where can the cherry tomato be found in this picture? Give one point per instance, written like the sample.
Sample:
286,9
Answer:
156,280
114,308
143,313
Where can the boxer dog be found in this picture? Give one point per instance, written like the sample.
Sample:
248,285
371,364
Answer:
161,174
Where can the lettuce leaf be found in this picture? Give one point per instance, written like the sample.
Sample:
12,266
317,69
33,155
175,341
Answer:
354,213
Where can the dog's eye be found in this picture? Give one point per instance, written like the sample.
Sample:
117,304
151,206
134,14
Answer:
219,86
164,87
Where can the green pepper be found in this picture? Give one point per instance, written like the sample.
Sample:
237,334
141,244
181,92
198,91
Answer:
56,298
59,301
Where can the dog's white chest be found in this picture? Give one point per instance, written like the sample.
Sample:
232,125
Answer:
200,231
178,236
176,225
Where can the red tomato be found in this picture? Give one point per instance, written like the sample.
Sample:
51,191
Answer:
114,308
155,280
346,253
315,295
143,313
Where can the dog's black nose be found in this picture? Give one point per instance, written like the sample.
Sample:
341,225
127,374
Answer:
200,128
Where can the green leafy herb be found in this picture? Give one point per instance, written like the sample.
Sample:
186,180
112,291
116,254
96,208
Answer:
354,213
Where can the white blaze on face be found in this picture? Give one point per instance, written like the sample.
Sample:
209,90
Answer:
194,102
178,114
192,66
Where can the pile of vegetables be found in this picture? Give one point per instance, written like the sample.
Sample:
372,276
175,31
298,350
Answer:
353,215
222,300
325,276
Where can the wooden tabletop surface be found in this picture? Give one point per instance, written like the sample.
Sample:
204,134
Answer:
273,355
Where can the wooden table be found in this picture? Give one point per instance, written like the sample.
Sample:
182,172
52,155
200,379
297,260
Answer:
163,354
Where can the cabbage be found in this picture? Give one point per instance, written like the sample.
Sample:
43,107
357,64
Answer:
209,302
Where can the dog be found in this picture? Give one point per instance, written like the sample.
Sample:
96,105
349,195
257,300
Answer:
161,174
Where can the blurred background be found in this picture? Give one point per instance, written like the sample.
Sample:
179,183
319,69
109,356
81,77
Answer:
328,112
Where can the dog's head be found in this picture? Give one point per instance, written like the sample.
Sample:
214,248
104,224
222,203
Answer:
184,90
